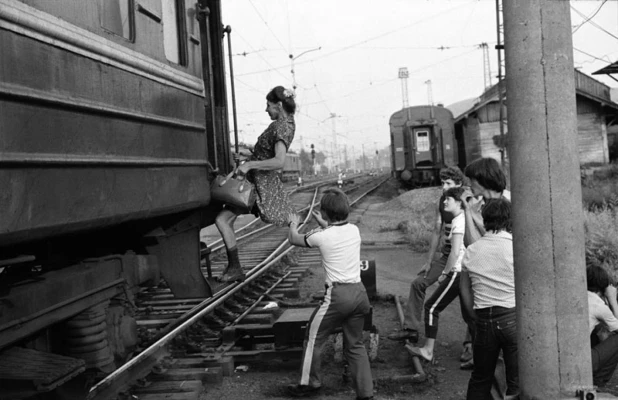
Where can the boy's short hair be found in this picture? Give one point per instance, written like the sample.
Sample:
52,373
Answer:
487,172
597,278
497,215
335,204
453,173
455,192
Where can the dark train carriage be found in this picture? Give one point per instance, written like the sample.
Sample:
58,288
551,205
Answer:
111,114
422,142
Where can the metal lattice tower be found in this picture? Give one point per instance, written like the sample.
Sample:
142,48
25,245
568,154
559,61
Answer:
403,75
486,65
501,89
429,97
429,92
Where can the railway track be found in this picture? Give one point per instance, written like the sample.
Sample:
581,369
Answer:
189,343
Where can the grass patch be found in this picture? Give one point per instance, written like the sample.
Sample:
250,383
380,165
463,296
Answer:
418,232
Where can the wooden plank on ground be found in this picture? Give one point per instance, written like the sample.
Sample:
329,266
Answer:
204,374
171,387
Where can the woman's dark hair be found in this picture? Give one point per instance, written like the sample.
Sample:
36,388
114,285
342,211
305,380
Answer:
487,172
335,204
283,95
597,278
453,173
497,215
455,192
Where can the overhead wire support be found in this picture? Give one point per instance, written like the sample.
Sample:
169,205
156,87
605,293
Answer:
500,49
403,75
429,97
486,65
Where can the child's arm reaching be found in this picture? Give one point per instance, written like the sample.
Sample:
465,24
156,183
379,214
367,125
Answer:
294,237
319,219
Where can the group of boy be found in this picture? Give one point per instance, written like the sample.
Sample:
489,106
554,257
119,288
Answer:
475,264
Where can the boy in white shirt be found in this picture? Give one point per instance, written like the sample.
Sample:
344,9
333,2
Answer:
345,300
448,288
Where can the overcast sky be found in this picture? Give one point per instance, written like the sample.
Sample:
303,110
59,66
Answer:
362,44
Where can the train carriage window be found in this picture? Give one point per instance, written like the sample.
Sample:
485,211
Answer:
116,16
173,28
422,141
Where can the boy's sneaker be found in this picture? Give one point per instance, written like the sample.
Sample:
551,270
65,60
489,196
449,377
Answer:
303,390
404,334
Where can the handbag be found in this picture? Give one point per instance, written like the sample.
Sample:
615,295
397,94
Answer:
234,191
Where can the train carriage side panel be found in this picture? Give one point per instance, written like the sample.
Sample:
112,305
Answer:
398,157
106,133
93,133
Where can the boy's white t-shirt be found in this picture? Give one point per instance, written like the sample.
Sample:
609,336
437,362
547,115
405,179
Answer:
458,225
339,245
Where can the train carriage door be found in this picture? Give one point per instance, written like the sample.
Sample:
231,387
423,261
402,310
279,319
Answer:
423,144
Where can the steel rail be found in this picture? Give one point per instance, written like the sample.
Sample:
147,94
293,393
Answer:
252,307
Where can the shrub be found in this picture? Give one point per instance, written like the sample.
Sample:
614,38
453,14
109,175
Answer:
418,233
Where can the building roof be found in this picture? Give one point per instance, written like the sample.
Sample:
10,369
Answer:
584,86
610,69
462,106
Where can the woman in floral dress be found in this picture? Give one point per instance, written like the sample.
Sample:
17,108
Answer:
262,169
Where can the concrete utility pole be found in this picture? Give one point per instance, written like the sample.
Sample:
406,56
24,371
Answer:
548,234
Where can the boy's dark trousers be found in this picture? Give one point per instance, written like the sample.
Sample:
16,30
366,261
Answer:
345,304
604,360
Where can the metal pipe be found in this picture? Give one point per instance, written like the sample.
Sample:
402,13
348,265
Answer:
228,30
205,12
548,233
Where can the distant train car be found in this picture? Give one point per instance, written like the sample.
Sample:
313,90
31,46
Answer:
422,142
291,168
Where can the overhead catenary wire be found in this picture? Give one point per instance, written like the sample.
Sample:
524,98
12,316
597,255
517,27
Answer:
267,25
345,48
258,53
586,19
589,20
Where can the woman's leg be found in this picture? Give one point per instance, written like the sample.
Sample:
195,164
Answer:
225,223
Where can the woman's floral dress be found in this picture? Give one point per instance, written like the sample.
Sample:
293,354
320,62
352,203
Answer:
272,204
